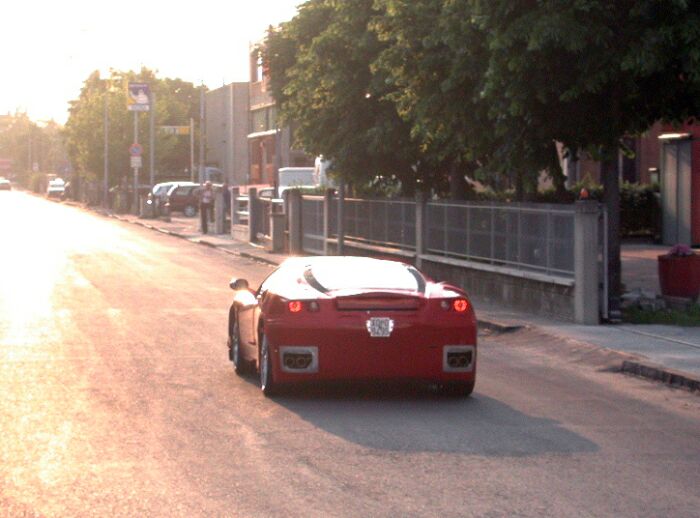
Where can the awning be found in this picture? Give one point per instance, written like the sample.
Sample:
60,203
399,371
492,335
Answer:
675,136
262,134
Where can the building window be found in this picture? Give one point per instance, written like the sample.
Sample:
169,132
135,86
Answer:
272,117
259,120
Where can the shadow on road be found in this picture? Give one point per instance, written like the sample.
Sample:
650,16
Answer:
416,420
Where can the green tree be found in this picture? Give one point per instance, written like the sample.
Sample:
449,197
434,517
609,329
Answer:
321,72
436,80
28,144
587,73
176,102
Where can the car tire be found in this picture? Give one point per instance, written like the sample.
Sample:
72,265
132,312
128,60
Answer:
234,351
190,210
458,389
267,385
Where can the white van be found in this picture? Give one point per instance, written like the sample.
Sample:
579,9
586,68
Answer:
305,178
295,178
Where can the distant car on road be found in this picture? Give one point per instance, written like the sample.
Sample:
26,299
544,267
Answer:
5,184
56,189
352,318
184,197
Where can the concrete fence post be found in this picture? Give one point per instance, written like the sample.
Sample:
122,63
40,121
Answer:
219,212
252,214
327,204
421,225
586,299
277,227
295,223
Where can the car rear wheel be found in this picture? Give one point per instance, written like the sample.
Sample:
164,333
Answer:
458,389
265,362
190,210
239,365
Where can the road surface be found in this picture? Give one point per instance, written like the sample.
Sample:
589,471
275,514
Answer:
117,399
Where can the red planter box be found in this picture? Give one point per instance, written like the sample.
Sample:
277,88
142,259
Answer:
679,276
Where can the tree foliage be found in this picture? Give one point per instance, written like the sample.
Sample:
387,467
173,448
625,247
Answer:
588,72
30,145
322,78
176,102
413,85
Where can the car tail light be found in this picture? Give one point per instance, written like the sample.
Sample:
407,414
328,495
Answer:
297,306
458,305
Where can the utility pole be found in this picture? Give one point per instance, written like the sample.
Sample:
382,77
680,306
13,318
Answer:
136,169
201,133
152,141
192,149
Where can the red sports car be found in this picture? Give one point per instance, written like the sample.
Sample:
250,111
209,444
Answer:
352,318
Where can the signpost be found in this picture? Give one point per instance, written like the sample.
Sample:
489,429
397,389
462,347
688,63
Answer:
137,100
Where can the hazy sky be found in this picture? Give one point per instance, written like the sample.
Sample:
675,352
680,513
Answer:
49,47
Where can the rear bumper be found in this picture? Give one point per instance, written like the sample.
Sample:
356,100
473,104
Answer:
387,360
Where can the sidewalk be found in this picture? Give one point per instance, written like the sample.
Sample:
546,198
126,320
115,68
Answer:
667,353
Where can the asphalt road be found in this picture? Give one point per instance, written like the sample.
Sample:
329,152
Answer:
117,399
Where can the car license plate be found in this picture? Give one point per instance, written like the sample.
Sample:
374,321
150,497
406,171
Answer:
380,327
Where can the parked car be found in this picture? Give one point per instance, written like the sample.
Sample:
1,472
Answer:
5,184
352,318
56,189
160,190
184,197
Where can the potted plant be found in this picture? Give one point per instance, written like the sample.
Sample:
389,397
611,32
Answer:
679,272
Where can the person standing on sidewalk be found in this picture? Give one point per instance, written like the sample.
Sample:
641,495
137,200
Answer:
206,200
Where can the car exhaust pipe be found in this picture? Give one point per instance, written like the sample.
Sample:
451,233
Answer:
299,358
288,361
458,358
303,361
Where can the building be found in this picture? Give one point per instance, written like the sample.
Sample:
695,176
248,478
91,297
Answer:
680,184
642,167
226,131
269,146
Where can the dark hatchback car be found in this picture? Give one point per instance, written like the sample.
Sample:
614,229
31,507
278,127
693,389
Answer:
184,197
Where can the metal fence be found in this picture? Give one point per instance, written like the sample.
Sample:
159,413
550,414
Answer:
312,216
527,237
380,222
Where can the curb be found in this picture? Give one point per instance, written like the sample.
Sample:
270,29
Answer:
666,376
499,326
257,257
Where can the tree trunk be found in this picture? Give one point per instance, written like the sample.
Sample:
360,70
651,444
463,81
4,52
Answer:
458,185
519,187
557,174
609,173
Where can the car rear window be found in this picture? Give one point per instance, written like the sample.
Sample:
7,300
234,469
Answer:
363,273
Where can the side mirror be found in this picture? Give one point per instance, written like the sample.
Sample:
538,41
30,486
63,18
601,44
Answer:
238,284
